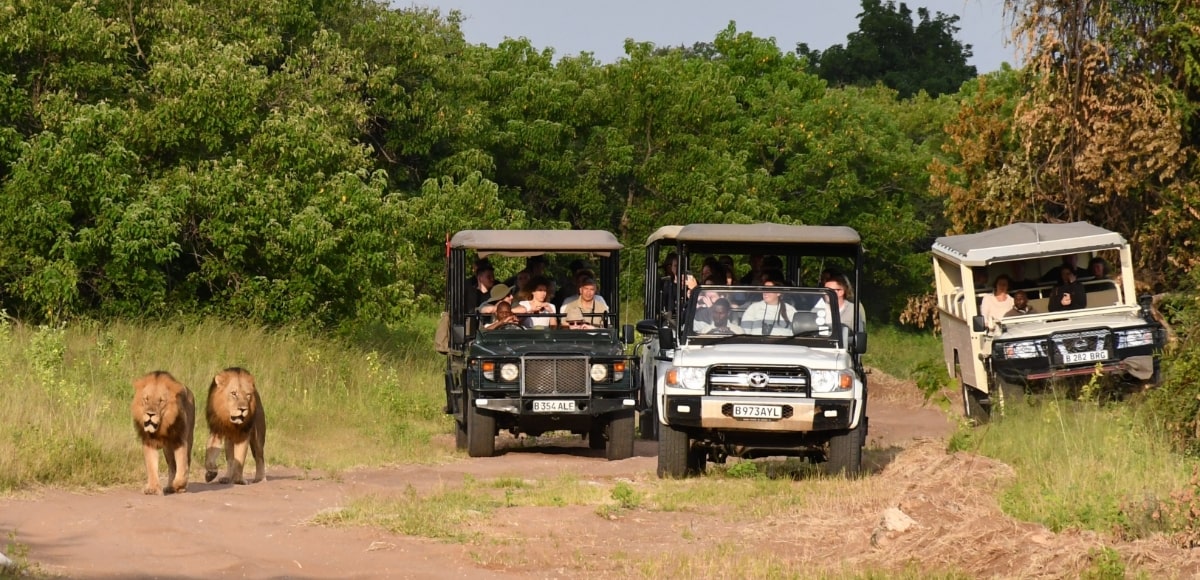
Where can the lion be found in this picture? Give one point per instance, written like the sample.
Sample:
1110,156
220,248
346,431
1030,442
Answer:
236,419
164,414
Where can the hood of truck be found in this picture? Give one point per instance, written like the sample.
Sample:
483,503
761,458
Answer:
765,354
547,342
1047,324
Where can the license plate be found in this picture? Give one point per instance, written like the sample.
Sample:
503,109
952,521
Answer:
757,412
1081,357
554,406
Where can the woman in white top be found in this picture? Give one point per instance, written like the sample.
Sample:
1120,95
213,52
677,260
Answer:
769,316
995,305
537,304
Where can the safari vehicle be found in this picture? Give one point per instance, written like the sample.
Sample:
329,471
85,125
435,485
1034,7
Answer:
795,389
540,379
1112,333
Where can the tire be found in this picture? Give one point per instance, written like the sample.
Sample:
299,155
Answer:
595,436
648,425
460,435
674,448
620,436
973,406
1011,394
481,432
845,452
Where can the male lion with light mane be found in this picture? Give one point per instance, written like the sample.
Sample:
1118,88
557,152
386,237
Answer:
164,414
236,419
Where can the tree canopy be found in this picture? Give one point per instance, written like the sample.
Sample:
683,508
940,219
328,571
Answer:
890,48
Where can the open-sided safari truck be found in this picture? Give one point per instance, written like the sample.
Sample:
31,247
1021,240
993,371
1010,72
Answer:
1109,332
533,380
781,376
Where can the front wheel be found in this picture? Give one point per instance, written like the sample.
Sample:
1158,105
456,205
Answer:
620,436
973,404
481,432
673,452
845,452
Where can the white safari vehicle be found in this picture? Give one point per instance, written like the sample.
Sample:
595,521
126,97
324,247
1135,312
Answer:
1109,332
763,368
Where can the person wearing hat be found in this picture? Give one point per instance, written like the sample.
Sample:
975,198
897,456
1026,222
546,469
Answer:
575,321
590,306
499,293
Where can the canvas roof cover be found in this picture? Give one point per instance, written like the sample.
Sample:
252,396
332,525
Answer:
1025,240
767,233
535,242
663,233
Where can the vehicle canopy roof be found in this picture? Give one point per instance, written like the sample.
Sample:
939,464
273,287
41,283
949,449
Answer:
535,242
1025,240
769,237
664,233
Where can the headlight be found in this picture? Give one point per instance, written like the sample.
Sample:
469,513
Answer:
1025,349
509,372
686,378
599,372
1134,337
832,381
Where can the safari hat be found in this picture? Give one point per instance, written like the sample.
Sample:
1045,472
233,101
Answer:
499,292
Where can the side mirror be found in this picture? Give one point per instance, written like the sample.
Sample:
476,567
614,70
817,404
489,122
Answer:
978,324
1146,301
627,334
860,343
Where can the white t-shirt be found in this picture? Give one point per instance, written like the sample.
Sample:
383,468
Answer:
993,308
532,321
767,319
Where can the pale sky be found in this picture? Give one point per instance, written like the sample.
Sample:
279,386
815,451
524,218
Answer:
601,26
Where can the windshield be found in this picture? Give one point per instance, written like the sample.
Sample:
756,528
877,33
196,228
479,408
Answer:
760,312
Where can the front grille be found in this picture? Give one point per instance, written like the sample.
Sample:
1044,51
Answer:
723,379
1073,344
556,376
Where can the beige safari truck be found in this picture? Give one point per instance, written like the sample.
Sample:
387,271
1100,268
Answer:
1110,332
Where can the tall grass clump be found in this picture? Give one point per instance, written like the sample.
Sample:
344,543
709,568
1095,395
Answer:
362,399
1083,465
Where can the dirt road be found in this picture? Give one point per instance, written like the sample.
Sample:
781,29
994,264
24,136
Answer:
261,530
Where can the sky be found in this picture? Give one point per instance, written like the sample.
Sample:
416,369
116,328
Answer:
601,26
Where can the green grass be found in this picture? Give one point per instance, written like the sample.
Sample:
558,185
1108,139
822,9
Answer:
1084,466
331,404
899,351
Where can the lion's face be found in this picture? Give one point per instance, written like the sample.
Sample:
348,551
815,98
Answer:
239,396
155,403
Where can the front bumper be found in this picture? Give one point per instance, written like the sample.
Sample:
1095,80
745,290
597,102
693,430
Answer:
800,414
591,407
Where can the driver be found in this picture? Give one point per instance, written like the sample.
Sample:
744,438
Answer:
719,324
504,316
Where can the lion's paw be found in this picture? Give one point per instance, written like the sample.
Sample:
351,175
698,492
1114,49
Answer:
211,475
239,481
152,490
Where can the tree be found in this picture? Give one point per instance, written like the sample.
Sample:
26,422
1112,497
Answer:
890,49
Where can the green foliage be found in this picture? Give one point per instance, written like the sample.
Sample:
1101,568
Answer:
1079,465
889,48
1106,564
297,163
1174,407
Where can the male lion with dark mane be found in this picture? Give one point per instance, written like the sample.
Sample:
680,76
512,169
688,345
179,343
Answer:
164,414
236,419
